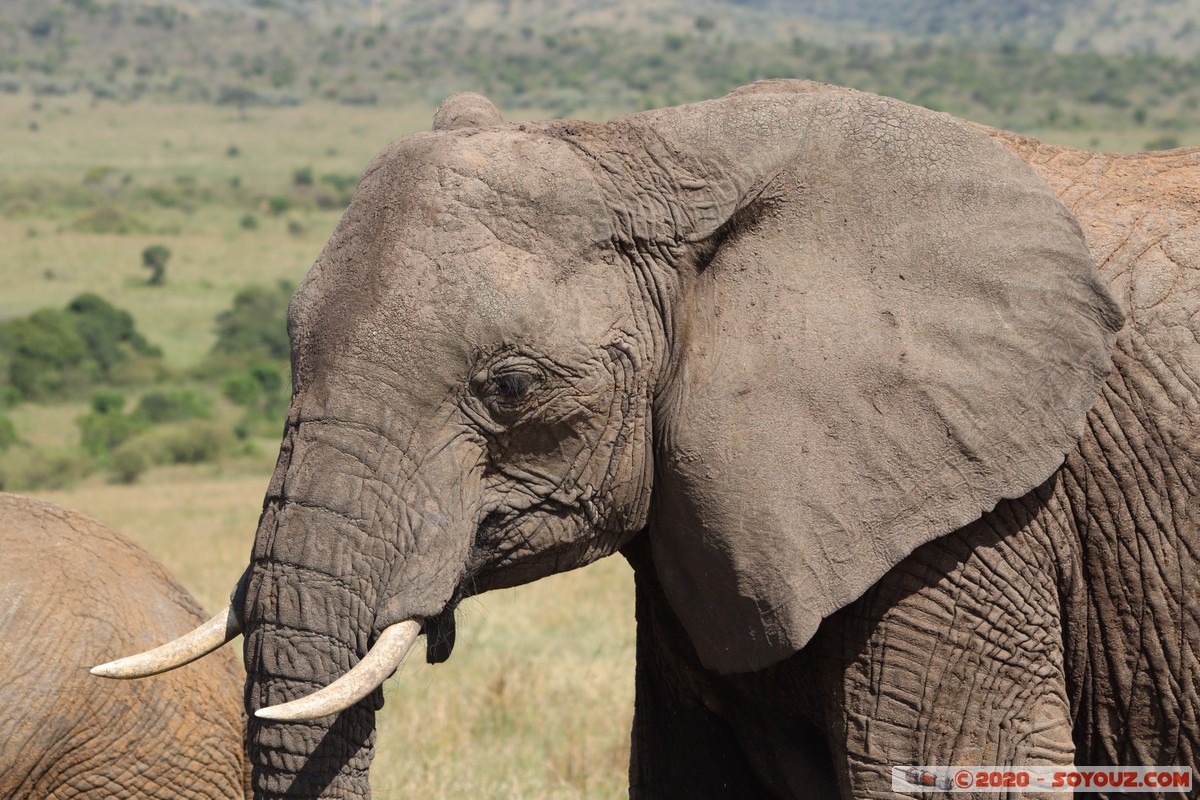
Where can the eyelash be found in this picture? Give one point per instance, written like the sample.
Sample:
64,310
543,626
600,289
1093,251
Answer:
512,385
505,394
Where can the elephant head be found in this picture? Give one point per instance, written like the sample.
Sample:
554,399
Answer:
788,335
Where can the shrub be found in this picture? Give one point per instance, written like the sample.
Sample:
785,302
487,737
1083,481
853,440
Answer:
255,328
53,353
8,433
40,348
107,426
23,468
1167,142
241,388
108,401
173,406
262,390
108,332
106,219
129,461
192,442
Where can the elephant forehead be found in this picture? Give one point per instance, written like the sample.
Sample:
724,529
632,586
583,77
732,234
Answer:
458,236
430,332
476,302
517,187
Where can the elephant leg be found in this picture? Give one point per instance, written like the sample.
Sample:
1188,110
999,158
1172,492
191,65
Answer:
958,656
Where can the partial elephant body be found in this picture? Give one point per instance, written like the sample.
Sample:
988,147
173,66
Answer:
74,593
1135,480
1062,628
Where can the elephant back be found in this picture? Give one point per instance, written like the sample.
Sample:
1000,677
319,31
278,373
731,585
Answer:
74,593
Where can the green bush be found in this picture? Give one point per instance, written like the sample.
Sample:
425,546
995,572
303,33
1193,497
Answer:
192,442
261,390
107,426
255,328
58,353
129,461
241,388
24,468
40,348
154,258
106,219
109,332
8,433
174,405
108,401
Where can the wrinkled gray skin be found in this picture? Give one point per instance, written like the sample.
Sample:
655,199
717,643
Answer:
74,593
901,480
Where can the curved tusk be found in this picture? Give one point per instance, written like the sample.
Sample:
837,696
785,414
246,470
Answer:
219,630
362,679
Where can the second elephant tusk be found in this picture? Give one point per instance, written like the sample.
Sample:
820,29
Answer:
362,679
219,630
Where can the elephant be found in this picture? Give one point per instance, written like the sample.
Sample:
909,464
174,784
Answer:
73,591
894,417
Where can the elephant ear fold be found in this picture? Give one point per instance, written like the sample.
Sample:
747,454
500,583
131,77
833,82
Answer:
901,329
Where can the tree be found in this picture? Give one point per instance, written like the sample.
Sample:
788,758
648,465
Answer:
154,258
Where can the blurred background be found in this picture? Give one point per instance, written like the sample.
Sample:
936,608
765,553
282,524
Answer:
169,171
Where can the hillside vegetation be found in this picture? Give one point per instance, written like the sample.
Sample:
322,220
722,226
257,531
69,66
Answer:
1070,65
1062,26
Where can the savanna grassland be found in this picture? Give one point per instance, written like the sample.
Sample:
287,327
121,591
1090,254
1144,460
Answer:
168,171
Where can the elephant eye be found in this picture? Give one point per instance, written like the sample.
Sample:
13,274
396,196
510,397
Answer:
509,392
513,385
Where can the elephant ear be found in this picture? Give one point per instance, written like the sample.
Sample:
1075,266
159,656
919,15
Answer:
889,325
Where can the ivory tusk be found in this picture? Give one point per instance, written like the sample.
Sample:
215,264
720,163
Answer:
362,679
219,630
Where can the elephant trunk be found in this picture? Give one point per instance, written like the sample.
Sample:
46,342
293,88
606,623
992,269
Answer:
291,652
351,556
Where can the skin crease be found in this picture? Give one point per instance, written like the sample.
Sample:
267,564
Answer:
75,594
900,480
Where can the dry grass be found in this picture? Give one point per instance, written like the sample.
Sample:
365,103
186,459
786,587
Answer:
535,702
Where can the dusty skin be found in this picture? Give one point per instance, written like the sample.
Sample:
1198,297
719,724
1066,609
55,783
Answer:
74,593
897,429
